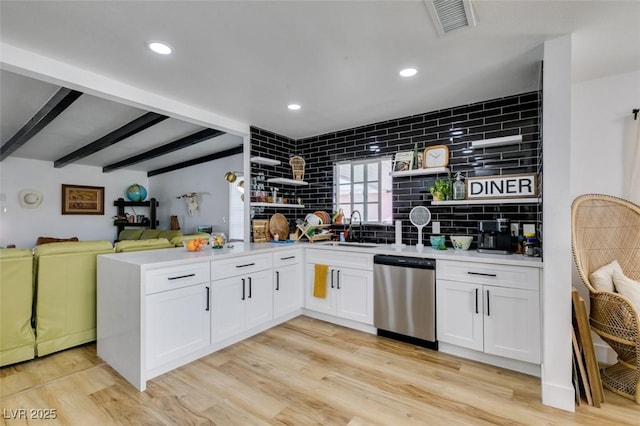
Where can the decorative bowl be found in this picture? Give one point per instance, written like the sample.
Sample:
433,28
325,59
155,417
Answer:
461,242
437,241
195,244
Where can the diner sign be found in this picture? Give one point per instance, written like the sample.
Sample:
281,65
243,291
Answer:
505,186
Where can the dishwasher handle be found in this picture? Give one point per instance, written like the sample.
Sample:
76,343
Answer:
404,261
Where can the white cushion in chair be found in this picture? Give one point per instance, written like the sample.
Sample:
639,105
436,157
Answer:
627,287
602,278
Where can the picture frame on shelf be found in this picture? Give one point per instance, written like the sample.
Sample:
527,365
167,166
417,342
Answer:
403,161
81,199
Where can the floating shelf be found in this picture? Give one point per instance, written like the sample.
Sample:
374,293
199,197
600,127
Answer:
286,181
288,206
506,140
264,160
497,201
416,172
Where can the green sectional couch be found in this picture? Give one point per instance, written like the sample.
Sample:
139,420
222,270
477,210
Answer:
175,237
65,302
17,340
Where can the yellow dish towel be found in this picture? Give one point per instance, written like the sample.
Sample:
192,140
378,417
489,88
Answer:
320,281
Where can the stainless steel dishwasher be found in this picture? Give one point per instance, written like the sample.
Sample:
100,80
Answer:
404,299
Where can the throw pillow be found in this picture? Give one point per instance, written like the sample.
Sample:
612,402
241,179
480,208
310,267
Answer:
628,287
602,278
47,240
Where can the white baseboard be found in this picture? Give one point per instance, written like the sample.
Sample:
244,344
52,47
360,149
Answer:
558,396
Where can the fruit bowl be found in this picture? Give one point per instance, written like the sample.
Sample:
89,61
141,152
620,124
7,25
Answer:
195,244
461,242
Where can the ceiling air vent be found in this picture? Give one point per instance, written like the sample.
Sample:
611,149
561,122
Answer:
449,15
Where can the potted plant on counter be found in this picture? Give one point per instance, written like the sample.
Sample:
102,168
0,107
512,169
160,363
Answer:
441,189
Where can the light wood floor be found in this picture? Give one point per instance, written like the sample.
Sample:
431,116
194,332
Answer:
304,372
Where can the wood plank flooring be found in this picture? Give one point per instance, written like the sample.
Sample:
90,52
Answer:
303,372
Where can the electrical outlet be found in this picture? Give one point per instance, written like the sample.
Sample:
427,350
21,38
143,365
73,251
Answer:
435,227
515,229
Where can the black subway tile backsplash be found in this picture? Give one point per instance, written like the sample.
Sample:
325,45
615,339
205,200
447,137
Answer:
513,115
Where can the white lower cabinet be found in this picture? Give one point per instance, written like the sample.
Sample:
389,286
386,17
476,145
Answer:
501,319
178,323
243,300
349,290
287,282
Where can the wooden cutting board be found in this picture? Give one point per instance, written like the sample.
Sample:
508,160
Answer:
278,225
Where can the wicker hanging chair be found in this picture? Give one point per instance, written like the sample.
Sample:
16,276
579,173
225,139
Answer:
603,229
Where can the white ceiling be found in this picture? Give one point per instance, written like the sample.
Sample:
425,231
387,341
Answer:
246,60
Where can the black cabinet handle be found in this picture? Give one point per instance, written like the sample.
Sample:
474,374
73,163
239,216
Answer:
277,280
287,258
245,265
243,298
207,308
338,280
476,300
332,278
482,274
181,276
249,287
488,310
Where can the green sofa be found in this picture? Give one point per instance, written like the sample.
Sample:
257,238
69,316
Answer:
137,245
65,302
17,340
175,237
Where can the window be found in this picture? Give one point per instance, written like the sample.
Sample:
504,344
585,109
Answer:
365,186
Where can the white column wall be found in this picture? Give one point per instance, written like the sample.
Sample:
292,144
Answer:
557,387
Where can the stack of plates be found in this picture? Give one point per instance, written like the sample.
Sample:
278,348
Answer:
278,225
326,218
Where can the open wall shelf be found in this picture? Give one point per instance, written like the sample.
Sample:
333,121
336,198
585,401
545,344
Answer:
497,201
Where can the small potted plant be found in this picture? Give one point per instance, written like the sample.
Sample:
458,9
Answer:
441,189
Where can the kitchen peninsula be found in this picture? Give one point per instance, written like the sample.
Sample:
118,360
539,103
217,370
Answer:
160,309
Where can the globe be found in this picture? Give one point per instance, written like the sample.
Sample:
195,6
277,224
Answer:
136,193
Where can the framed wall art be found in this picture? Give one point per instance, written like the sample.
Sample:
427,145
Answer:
79,199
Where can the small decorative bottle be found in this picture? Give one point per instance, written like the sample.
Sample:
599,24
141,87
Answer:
458,188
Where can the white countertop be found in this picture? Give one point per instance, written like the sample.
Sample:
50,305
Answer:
179,255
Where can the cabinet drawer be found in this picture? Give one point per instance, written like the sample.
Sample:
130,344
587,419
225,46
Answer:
285,258
523,277
240,265
176,277
341,259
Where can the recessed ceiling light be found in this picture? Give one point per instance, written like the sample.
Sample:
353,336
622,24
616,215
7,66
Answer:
408,72
160,47
294,107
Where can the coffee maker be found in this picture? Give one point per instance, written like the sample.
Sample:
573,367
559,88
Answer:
494,236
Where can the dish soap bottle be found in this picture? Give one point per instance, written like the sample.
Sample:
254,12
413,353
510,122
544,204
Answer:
458,188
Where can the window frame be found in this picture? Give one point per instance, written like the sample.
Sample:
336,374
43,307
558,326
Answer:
365,182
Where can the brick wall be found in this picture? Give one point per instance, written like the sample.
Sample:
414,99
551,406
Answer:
512,115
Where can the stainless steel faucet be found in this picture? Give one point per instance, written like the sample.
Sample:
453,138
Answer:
359,226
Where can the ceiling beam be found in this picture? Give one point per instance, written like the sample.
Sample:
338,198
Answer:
54,106
179,144
206,158
139,124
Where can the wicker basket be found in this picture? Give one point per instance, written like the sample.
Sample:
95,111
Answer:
297,165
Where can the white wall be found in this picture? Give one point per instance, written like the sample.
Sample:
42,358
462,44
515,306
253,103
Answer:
557,387
22,227
602,133
207,178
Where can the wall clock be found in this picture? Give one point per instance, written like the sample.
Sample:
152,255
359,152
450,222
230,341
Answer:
436,156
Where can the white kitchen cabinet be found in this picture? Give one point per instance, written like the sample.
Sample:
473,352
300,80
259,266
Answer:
178,323
485,308
152,319
287,282
242,295
349,289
